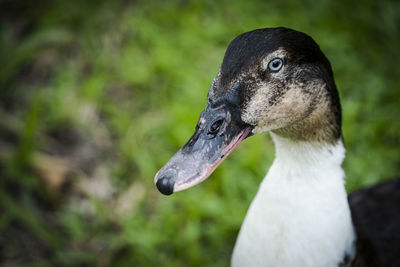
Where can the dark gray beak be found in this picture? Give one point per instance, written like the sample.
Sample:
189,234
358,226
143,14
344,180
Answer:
219,130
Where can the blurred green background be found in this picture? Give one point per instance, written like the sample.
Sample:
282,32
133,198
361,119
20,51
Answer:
97,95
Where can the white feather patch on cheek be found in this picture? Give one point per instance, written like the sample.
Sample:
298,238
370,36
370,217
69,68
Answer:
289,108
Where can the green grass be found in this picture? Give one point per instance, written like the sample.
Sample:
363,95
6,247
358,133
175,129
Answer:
98,95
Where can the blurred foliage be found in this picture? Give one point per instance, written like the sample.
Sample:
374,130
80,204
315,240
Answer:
97,95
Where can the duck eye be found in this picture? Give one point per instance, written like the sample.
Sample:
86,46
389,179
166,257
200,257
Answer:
275,65
215,127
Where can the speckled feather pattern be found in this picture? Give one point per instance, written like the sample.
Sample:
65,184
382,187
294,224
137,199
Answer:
299,102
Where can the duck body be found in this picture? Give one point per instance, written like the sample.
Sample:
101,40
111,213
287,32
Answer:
277,80
376,218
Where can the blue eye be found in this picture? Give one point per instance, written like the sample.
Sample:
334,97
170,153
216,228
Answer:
275,65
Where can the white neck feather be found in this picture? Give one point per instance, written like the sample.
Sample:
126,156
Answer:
300,215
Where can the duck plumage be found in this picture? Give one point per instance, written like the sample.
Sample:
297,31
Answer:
277,80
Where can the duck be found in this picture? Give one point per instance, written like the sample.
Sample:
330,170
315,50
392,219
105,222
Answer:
277,80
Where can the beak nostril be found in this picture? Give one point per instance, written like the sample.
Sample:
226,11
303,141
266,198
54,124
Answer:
215,127
165,185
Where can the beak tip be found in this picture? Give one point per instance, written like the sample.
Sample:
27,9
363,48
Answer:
165,185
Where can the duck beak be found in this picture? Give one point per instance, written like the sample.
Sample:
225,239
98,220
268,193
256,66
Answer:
218,132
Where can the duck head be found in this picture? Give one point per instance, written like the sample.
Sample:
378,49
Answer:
272,79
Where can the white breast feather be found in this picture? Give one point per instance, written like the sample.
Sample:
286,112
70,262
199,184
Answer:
300,215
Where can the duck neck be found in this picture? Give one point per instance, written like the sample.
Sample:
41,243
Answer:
300,215
301,157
